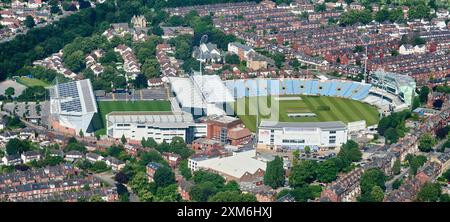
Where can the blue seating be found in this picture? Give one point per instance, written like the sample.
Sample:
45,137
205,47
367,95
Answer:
324,87
301,86
345,86
251,89
333,86
264,87
315,87
362,93
296,86
240,89
308,85
289,90
274,87
351,90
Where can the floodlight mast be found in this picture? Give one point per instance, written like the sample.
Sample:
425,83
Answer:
204,39
366,57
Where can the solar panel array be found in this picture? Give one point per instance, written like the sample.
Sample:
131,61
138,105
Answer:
69,90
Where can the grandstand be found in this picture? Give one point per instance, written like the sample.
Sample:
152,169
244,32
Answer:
263,87
401,86
385,101
72,106
201,94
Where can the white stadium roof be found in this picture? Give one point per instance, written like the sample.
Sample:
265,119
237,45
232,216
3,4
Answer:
187,94
73,98
212,89
156,119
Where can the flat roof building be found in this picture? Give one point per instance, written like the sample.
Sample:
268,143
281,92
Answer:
73,105
241,166
297,135
157,125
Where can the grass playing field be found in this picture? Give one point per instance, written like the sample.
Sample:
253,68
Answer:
105,107
326,109
29,82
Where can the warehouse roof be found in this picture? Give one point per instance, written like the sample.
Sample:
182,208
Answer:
156,119
236,165
323,125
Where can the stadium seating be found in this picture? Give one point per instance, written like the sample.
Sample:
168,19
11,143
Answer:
263,87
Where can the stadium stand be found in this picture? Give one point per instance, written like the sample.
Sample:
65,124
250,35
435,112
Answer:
262,87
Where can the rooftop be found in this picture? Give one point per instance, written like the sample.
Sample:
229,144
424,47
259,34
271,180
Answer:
160,119
73,97
321,125
236,165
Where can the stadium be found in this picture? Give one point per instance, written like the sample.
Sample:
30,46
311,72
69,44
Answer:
313,112
302,100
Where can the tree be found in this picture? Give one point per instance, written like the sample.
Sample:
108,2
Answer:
99,166
307,149
391,136
371,178
232,196
184,170
202,176
320,8
140,81
121,177
75,61
167,194
16,146
29,22
419,11
302,193
430,192
423,94
397,183
377,194
397,167
81,133
382,15
279,59
96,198
416,103
123,139
295,157
164,177
352,17
426,142
9,92
201,192
73,144
232,59
415,162
274,176
302,174
326,171
232,186
350,151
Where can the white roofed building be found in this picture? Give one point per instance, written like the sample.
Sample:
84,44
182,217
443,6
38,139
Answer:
157,125
72,105
241,166
201,94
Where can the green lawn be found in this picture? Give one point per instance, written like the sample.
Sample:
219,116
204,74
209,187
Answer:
29,82
340,109
105,107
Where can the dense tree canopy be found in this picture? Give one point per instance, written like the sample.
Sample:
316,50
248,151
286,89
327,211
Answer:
274,175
